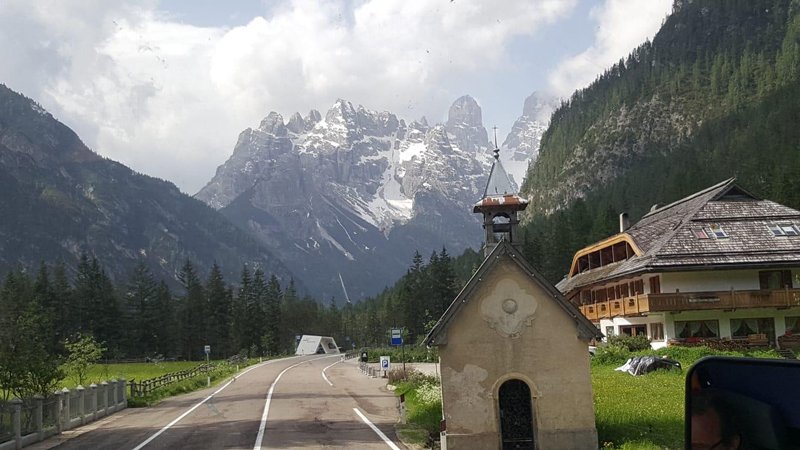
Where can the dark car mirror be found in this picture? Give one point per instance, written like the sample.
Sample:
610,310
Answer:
742,403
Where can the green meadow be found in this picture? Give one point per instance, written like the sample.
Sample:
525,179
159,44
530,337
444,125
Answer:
631,413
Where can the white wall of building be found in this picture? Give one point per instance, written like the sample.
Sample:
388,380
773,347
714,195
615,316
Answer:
715,280
723,317
719,280
618,322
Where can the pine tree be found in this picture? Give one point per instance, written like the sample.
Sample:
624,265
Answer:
194,311
62,301
140,313
220,313
166,327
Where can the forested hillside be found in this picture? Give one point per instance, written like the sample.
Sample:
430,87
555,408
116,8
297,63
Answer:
714,95
60,199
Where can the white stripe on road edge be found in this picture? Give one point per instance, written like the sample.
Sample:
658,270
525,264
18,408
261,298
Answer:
376,430
323,372
169,425
263,425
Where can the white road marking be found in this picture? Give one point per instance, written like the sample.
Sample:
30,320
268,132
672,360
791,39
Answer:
263,425
376,430
169,425
323,372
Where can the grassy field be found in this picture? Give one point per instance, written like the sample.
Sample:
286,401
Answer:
129,371
644,412
632,413
143,371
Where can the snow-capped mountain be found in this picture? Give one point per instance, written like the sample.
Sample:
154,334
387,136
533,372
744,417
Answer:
521,146
355,193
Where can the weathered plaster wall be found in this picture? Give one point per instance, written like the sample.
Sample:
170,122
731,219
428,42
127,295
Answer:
537,341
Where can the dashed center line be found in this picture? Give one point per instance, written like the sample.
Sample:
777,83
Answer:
263,425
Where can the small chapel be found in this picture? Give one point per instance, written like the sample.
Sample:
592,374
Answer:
513,351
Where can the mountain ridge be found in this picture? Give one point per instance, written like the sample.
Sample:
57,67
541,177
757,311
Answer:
66,200
338,198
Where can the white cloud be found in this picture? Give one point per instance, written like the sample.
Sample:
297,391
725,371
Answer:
169,99
622,25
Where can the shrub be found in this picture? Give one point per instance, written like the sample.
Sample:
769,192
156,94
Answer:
632,343
611,354
398,374
423,402
412,354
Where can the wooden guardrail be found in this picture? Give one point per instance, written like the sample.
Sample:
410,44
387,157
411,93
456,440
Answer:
144,387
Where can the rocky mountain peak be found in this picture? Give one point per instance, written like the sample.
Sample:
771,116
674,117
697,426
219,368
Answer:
465,126
354,194
342,111
539,107
273,124
465,111
296,124
313,117
521,146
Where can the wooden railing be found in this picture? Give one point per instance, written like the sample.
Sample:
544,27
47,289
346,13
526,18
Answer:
144,387
691,301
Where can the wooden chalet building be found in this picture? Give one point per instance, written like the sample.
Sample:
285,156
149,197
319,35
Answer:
718,264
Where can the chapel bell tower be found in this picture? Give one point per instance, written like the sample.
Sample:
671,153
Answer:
499,207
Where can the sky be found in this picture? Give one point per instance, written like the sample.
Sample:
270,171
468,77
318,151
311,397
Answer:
165,87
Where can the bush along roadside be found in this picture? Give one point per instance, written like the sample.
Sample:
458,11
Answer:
220,371
416,354
423,408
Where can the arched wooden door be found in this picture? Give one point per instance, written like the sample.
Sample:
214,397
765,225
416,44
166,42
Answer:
516,416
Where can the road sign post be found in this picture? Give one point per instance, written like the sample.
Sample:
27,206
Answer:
208,375
397,337
386,364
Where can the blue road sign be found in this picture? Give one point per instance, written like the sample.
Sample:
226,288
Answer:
397,337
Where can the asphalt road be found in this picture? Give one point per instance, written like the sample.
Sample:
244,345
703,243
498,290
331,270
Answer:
305,410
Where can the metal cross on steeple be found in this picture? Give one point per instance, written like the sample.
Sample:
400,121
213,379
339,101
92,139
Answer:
496,149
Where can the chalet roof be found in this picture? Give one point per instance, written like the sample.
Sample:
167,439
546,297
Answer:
437,335
666,236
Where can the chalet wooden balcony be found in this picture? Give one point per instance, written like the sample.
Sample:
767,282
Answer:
691,301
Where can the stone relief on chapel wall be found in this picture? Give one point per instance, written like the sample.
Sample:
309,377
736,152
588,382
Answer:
509,309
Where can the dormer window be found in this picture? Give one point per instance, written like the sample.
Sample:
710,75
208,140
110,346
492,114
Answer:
717,231
700,233
784,229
